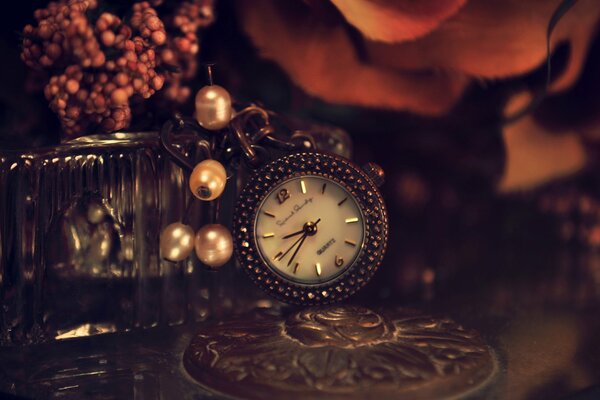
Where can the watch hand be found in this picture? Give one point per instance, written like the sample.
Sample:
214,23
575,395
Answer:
302,242
301,238
297,248
291,247
293,234
300,231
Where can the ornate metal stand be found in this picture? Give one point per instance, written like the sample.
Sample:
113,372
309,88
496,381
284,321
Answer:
340,352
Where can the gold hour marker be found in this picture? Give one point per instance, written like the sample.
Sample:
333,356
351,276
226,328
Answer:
296,267
351,220
342,202
339,261
323,189
350,242
276,258
268,235
302,186
318,268
269,214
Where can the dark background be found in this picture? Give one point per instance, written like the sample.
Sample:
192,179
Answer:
456,246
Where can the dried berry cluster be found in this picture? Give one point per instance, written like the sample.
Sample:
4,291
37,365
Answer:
63,32
186,20
96,64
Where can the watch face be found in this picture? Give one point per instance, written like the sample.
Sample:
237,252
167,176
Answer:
309,229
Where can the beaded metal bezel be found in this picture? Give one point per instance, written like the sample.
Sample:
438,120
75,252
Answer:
339,170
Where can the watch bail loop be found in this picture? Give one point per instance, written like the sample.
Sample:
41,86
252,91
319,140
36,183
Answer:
176,124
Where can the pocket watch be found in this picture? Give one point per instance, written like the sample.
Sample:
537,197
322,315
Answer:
311,228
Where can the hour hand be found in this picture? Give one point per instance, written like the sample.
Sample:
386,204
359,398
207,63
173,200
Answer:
307,228
294,234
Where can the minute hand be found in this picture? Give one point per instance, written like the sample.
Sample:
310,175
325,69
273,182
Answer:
297,248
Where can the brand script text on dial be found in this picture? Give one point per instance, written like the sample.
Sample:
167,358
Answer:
294,211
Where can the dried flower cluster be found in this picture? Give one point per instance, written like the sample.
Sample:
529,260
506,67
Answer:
97,61
183,45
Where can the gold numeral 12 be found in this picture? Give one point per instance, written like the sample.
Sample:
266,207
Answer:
283,195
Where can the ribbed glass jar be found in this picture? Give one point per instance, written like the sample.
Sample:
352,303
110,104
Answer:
79,233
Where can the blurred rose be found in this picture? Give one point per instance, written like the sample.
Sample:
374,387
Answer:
412,55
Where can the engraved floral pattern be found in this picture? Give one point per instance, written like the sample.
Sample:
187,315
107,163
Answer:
341,326
335,351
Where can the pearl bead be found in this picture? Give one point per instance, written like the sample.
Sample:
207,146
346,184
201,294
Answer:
213,107
208,180
214,245
176,242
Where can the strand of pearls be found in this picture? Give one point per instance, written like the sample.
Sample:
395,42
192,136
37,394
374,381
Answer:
213,243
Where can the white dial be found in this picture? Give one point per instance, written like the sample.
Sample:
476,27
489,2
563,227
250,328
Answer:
309,229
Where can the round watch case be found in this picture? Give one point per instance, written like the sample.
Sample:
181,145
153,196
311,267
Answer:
329,166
